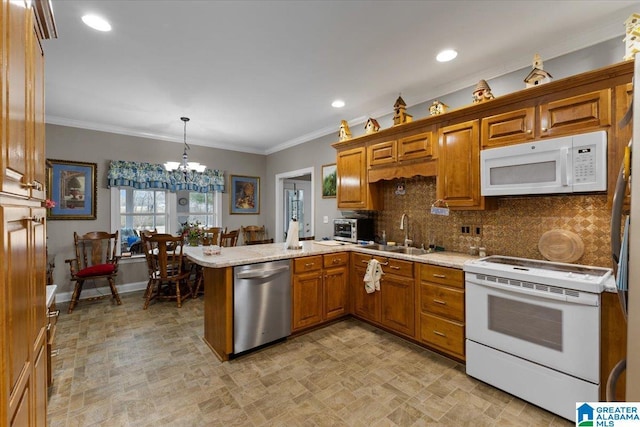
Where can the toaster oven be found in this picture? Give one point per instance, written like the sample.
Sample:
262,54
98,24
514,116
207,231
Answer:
353,229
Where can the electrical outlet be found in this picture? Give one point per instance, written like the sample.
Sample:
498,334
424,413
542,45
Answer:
476,230
465,229
325,219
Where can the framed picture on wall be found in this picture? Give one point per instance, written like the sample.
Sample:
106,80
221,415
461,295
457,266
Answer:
329,181
72,187
244,195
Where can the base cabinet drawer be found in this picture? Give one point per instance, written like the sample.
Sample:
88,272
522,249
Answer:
443,301
444,334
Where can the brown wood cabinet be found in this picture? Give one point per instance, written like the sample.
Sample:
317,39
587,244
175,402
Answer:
319,289
562,116
458,182
393,306
442,309
23,351
353,188
402,157
397,297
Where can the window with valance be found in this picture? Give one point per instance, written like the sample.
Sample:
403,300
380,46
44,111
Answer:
140,175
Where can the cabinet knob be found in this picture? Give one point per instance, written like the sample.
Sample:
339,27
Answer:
440,276
53,313
529,131
544,129
439,301
394,267
442,334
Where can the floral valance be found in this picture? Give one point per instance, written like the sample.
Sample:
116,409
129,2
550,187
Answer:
141,175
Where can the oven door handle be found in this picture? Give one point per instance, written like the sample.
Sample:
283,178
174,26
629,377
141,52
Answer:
583,298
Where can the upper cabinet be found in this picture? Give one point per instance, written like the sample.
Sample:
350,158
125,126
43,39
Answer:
406,156
353,189
447,146
563,116
458,181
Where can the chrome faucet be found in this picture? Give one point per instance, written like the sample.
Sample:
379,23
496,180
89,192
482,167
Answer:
404,227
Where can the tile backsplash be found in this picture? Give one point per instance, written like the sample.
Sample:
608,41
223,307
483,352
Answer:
513,229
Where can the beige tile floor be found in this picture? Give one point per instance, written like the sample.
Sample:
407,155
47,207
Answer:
124,366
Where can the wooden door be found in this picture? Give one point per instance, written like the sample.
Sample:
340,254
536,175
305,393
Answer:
36,155
576,114
307,300
458,181
15,98
354,191
335,292
365,305
17,304
513,127
397,299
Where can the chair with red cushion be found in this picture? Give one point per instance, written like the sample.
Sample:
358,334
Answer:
95,259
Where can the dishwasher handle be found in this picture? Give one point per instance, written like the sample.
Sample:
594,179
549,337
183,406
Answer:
261,273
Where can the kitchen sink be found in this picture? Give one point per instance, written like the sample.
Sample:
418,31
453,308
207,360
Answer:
379,247
408,250
396,249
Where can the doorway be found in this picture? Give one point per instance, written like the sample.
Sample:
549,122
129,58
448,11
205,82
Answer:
295,197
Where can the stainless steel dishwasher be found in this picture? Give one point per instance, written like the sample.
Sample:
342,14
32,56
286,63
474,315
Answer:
261,304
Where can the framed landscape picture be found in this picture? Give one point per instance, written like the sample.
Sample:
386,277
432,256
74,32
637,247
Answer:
244,195
72,187
329,181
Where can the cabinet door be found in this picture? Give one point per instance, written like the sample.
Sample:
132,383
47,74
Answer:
382,153
352,178
508,128
458,181
307,300
36,158
15,99
40,381
414,147
366,306
354,191
580,113
17,302
335,292
397,300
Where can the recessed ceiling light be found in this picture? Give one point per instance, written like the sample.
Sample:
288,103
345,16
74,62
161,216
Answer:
338,103
96,22
446,55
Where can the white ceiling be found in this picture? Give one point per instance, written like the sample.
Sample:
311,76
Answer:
259,76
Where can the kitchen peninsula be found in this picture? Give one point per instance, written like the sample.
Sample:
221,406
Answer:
219,298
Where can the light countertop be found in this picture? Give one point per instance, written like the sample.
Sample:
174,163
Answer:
241,255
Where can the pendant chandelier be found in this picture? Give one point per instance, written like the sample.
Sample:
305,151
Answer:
185,165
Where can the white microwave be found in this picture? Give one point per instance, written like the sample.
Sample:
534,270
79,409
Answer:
569,164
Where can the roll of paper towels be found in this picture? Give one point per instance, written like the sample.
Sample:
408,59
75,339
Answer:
292,235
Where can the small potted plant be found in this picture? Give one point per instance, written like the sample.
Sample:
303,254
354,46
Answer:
192,232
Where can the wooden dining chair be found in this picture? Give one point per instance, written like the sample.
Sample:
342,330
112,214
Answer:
168,277
251,233
229,239
212,235
95,259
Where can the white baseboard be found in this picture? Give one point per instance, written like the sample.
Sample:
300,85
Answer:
105,290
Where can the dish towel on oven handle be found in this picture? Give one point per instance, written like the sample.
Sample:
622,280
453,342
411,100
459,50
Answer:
372,276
